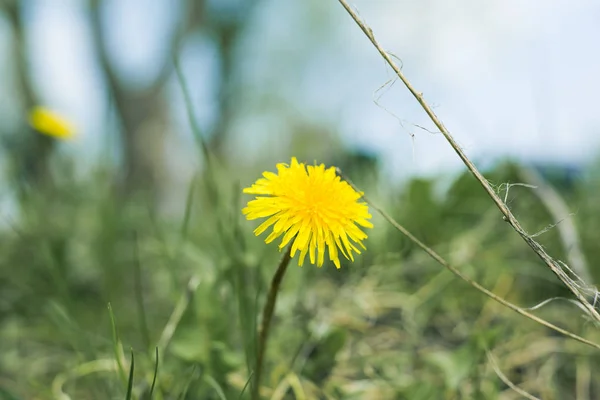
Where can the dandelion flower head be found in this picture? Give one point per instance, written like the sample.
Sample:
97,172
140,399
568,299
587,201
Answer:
51,124
313,206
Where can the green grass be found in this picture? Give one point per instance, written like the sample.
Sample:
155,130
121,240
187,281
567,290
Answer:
391,325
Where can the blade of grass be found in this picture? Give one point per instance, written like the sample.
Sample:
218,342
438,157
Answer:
78,339
215,385
85,369
58,276
130,382
155,372
189,201
191,117
247,296
246,385
187,384
211,184
175,318
117,348
507,381
238,235
139,295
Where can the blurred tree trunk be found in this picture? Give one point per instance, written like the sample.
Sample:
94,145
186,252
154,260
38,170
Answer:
226,35
143,117
144,114
226,28
29,151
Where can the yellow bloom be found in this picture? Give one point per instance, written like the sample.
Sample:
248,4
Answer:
49,123
313,205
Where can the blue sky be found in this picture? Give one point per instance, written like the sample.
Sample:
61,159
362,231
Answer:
508,78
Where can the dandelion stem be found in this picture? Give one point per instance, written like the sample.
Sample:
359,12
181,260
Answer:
267,315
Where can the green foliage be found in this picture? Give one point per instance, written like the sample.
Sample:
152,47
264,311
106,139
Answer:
391,325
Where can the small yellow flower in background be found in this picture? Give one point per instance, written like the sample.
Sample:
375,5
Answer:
313,205
49,123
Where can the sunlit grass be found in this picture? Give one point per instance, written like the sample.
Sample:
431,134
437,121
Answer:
390,325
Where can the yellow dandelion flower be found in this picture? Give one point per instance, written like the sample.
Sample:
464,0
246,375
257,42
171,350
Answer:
49,123
313,205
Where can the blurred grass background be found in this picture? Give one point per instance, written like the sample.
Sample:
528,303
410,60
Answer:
391,325
185,277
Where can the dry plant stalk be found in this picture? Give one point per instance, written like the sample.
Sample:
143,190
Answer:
440,260
507,214
558,209
507,381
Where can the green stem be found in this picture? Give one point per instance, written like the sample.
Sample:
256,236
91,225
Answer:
267,315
